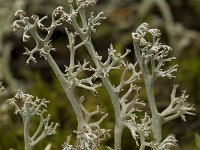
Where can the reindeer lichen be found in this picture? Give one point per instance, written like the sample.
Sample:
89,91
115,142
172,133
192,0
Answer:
151,58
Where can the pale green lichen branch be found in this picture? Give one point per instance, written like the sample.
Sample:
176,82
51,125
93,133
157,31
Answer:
44,47
101,70
33,107
167,143
88,115
152,57
70,80
91,135
177,107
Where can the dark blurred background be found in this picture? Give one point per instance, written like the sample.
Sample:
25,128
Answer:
179,22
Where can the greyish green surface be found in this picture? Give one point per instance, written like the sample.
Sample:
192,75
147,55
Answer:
151,57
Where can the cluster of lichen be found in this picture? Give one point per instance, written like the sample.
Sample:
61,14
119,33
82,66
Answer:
151,57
